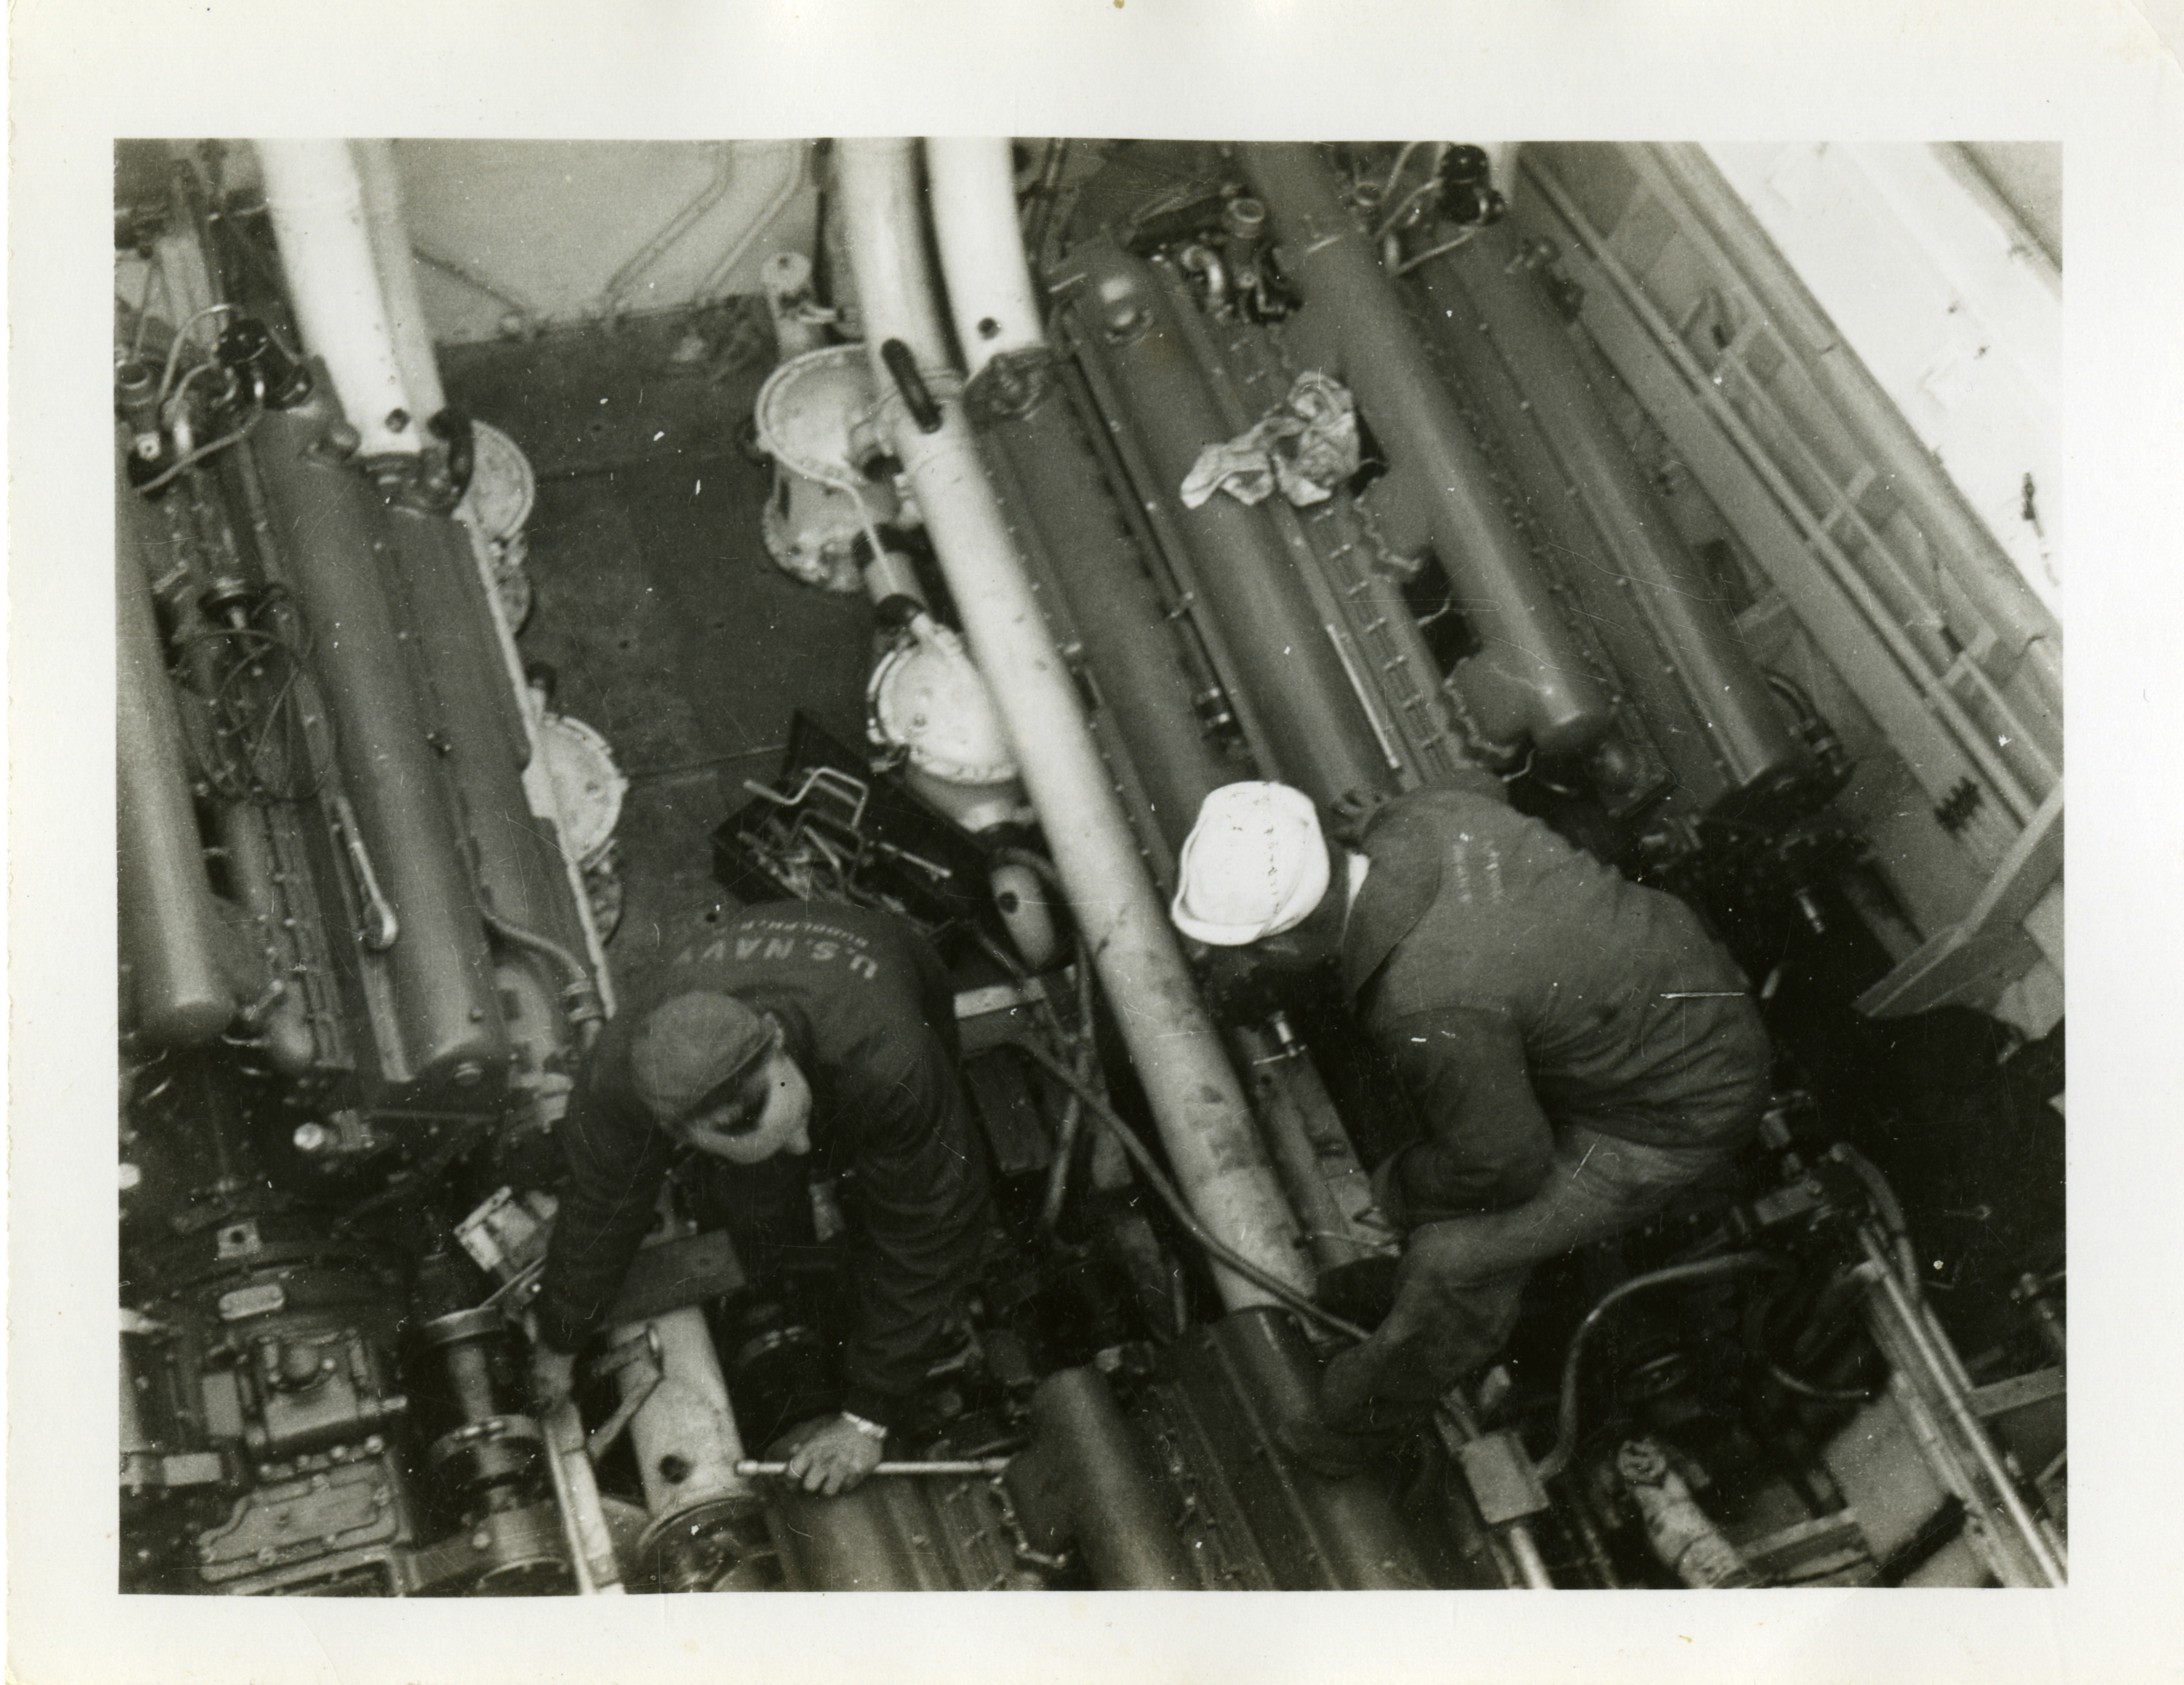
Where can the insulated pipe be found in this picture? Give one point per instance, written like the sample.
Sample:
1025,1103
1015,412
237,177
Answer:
1196,1100
397,277
684,1433
1528,682
316,197
974,215
1052,484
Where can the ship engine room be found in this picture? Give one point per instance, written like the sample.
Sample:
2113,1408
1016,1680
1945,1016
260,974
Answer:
544,565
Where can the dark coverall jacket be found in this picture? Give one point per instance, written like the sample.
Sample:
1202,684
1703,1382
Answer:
869,1017
1579,1048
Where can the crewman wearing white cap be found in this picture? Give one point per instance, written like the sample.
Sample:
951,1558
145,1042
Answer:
792,1033
1579,1050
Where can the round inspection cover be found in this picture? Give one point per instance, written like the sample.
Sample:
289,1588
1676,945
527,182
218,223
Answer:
808,407
587,786
502,488
928,699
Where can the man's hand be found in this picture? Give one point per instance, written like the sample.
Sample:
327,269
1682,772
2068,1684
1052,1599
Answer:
833,1455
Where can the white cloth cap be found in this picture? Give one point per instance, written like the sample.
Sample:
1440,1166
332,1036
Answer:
1254,865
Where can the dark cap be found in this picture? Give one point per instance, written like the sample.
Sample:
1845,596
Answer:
690,1046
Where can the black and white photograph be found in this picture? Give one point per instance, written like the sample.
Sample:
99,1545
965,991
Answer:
1193,855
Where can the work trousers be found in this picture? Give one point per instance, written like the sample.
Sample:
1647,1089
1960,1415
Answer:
1462,1274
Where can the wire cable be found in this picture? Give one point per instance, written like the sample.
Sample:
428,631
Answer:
1395,171
181,338
1704,1269
1218,1250
1889,1210
1752,1331
1432,252
1410,201
1813,1390
203,451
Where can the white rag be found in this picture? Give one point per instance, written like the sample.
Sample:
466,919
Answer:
1307,444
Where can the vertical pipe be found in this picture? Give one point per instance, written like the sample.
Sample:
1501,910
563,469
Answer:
171,933
397,277
1671,633
1091,1473
1322,741
316,201
1529,681
1053,487
1325,1182
1195,1098
329,524
974,202
684,1433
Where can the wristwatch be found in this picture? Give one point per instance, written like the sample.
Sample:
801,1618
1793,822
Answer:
870,1430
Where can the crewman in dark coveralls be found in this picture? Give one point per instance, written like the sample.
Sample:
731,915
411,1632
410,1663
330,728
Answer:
791,1030
1579,1049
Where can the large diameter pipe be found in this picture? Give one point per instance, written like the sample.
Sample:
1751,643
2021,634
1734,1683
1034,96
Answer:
1318,1166
1244,1377
1196,1100
1087,1480
172,935
974,218
1056,493
684,1433
328,521
1529,681
1050,480
381,182
316,197
518,854
1657,609
1244,575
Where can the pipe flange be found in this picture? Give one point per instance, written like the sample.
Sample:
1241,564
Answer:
481,1323
518,1433
1014,384
928,699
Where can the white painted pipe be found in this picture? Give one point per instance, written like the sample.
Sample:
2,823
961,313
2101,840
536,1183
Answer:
684,1433
1204,1124
397,277
974,216
316,200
